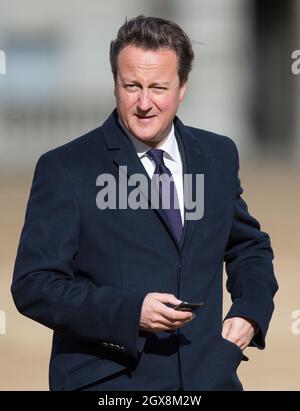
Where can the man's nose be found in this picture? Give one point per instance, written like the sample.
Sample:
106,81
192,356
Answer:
144,101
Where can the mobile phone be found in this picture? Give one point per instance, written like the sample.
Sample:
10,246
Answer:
185,306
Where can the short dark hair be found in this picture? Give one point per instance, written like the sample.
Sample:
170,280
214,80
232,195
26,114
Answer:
153,33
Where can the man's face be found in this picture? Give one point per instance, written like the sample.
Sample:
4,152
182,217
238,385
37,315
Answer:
147,92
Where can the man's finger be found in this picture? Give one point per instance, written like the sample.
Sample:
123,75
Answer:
174,315
172,325
167,298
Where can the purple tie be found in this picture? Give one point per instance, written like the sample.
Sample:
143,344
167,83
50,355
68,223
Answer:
167,191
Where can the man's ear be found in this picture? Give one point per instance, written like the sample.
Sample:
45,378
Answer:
115,86
182,91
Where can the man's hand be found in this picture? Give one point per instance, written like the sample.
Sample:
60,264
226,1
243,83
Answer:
156,316
238,330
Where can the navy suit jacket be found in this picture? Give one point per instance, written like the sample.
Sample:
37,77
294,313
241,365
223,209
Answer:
84,272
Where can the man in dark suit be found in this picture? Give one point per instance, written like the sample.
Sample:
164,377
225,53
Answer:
107,279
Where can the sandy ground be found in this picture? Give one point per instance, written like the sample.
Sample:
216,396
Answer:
273,197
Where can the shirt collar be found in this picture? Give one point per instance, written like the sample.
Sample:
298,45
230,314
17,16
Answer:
169,146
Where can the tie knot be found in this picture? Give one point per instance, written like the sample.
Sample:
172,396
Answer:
156,155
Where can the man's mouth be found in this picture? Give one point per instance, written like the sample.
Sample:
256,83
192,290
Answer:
144,117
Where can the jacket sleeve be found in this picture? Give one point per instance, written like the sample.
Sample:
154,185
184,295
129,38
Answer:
46,287
248,257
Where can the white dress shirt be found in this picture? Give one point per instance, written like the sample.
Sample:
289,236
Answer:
172,160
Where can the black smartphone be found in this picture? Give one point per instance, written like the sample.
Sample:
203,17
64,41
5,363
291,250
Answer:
185,306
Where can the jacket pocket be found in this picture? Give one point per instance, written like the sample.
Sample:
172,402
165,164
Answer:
90,372
236,348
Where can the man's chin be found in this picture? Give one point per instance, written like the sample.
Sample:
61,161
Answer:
140,134
145,139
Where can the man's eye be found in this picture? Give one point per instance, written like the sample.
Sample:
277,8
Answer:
131,86
160,89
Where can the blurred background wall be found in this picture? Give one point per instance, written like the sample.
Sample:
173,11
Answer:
58,85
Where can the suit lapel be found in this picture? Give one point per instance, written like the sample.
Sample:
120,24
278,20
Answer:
123,153
194,161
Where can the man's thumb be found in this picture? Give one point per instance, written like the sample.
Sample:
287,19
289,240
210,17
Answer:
169,298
